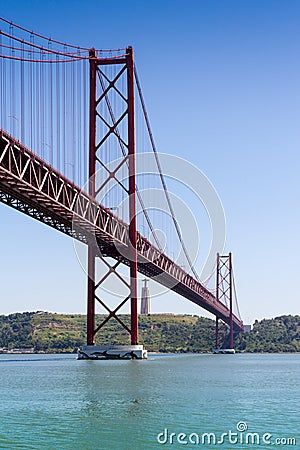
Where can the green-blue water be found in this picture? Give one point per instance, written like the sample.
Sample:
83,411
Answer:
57,402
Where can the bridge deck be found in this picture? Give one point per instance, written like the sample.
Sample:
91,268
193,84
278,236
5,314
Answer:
30,185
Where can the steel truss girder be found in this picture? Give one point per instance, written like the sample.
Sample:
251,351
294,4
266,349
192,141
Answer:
35,188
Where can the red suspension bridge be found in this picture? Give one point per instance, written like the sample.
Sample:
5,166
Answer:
73,117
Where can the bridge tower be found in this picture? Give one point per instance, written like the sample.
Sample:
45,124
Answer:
224,283
108,127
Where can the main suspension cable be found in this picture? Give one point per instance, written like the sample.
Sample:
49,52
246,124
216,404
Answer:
109,107
161,175
236,299
54,40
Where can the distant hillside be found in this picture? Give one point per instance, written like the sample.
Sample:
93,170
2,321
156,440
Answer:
50,332
281,334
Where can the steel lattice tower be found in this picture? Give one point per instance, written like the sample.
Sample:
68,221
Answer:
224,291
98,96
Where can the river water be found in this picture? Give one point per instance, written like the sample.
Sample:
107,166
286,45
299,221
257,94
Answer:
169,401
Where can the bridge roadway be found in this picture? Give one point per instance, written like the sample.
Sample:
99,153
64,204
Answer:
34,187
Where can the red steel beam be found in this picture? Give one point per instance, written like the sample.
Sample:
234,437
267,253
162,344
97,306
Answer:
132,197
217,333
230,302
92,190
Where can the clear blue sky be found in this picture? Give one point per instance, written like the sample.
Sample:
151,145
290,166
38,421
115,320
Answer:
222,86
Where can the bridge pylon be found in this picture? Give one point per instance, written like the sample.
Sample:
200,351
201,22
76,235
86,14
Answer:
224,294
111,126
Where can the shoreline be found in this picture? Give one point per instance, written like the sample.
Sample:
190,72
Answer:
17,352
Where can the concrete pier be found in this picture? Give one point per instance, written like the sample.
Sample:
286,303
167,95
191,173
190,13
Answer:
112,352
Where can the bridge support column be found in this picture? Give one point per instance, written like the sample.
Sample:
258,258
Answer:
92,192
230,303
112,148
217,333
132,198
224,283
91,297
